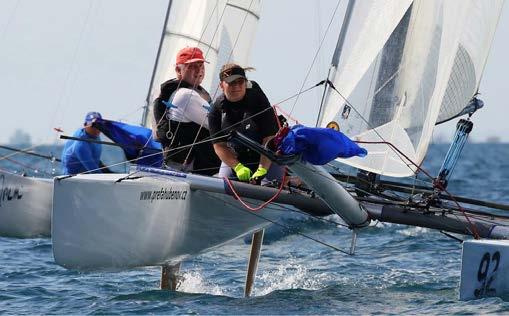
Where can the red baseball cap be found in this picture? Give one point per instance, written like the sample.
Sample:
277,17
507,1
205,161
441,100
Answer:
189,55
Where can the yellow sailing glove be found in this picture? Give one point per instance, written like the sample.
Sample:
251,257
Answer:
260,173
243,173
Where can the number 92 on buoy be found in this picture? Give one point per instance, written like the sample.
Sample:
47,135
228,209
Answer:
484,269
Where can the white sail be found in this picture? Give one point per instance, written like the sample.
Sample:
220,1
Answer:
401,64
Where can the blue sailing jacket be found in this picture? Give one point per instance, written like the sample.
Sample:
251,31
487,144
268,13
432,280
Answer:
136,141
319,146
81,156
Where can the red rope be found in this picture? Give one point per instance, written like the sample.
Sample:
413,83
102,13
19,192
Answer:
475,232
255,209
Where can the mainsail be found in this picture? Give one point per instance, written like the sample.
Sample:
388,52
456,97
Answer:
216,27
405,65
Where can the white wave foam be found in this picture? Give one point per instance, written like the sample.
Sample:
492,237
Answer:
414,231
193,282
289,275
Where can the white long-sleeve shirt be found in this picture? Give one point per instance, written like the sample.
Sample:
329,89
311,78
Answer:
189,106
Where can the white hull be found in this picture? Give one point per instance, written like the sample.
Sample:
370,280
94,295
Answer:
25,206
99,223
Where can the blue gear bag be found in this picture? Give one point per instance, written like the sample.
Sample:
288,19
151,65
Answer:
319,146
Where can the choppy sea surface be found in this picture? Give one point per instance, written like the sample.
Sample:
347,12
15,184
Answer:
396,269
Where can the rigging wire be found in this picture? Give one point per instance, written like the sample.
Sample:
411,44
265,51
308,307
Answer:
31,153
72,64
9,21
316,55
27,166
20,151
318,25
284,226
127,115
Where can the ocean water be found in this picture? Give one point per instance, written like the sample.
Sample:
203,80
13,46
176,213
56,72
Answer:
396,269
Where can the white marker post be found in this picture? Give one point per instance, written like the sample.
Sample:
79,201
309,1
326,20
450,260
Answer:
484,269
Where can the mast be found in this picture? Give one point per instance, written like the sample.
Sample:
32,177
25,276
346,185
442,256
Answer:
337,53
144,118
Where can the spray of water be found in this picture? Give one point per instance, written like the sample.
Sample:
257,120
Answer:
291,274
194,282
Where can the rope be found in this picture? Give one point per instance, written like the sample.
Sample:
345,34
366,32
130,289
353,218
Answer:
261,206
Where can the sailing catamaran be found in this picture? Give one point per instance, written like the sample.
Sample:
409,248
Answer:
398,69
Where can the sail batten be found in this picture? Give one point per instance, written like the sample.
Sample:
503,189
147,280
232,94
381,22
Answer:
406,65
194,39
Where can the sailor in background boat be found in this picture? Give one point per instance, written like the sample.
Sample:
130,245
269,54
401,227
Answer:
80,156
180,113
243,107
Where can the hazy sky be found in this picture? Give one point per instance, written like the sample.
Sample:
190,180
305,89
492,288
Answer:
60,59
